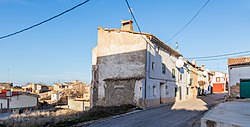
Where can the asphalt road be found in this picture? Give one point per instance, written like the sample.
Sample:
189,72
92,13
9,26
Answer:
164,116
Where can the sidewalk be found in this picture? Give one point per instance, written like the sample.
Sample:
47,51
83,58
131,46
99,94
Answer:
201,103
229,114
191,104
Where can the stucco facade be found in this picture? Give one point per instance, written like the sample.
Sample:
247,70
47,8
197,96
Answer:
135,68
238,72
19,101
219,81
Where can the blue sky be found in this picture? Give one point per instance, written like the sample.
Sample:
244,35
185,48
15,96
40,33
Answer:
60,50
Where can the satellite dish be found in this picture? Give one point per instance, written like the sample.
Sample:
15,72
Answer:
179,63
181,70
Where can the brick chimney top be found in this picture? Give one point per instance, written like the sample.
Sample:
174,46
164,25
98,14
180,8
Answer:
127,25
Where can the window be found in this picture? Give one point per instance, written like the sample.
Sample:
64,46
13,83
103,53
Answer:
154,90
187,90
180,77
173,73
163,68
153,65
191,81
166,86
175,91
217,79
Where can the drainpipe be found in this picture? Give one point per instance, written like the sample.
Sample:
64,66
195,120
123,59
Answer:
229,87
146,72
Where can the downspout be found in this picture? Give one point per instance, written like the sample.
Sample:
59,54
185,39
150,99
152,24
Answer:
146,72
229,86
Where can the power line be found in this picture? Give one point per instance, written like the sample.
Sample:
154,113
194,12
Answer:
221,58
221,55
131,12
188,22
133,16
40,23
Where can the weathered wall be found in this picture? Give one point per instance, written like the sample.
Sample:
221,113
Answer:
117,55
120,55
23,101
119,92
237,73
78,105
194,82
3,102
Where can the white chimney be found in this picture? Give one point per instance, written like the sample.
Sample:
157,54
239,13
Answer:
177,46
194,62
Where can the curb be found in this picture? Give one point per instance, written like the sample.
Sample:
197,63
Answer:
85,124
211,106
106,119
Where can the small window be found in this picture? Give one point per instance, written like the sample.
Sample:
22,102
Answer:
166,86
187,90
217,79
154,90
173,73
191,81
163,68
153,65
180,77
175,91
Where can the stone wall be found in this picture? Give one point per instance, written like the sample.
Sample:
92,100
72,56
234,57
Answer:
119,92
78,105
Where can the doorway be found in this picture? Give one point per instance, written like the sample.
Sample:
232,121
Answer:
180,95
162,92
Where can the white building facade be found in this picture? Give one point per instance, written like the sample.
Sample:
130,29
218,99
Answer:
135,68
18,101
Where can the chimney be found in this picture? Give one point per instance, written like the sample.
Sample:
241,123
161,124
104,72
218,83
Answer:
127,25
194,62
202,66
177,46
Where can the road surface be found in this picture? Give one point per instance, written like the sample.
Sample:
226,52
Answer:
181,114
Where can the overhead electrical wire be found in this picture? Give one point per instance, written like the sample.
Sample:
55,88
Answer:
40,23
133,16
178,32
221,55
221,58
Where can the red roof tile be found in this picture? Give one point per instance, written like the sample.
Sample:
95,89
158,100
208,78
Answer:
238,61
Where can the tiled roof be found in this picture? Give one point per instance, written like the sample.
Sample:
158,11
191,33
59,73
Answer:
238,61
3,95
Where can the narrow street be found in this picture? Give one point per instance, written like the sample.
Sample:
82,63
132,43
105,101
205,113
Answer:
180,114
